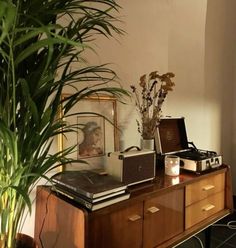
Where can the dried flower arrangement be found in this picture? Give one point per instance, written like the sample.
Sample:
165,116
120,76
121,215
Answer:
154,89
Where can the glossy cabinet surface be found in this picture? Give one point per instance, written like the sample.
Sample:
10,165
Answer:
57,222
203,209
163,217
113,230
159,214
204,198
204,188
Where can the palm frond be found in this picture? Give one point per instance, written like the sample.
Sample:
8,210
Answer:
34,44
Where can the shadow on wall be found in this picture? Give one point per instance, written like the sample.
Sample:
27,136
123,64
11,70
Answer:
220,57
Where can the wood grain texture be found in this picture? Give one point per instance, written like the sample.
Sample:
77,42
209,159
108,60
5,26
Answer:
121,228
204,188
201,210
229,203
57,221
153,216
165,223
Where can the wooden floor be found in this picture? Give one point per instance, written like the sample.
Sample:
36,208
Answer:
221,236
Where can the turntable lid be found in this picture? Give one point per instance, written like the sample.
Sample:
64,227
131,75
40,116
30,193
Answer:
171,136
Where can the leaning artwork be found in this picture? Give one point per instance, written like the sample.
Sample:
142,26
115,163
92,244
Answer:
94,120
91,136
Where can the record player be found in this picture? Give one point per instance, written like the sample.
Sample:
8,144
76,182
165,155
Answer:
171,138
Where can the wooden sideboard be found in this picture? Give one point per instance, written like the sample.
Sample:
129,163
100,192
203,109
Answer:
159,214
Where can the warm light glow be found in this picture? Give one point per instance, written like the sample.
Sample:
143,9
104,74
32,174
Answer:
175,180
172,165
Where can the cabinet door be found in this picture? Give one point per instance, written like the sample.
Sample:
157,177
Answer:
118,229
163,217
58,223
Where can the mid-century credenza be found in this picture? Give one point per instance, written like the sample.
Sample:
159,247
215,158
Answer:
161,213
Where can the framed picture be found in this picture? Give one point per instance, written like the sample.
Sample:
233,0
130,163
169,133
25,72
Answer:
90,136
97,133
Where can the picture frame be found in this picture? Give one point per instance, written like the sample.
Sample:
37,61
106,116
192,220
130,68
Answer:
96,113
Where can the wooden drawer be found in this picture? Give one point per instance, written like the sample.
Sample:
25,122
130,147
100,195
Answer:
202,189
204,208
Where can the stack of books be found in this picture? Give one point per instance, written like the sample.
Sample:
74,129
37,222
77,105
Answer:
91,189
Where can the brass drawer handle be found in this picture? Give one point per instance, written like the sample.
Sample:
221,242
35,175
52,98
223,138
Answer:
208,207
153,210
134,217
208,187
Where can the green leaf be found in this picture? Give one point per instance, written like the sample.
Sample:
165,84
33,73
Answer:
27,97
38,52
4,219
24,195
7,17
32,33
45,43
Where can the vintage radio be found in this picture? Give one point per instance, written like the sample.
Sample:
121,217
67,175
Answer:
171,138
132,166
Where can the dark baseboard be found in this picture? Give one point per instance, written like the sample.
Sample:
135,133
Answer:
234,199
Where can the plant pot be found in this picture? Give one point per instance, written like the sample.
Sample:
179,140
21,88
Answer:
25,241
147,144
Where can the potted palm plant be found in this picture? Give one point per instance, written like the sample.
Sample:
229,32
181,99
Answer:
37,52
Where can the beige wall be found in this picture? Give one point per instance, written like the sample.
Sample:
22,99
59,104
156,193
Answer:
165,36
196,41
186,59
220,55
143,49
